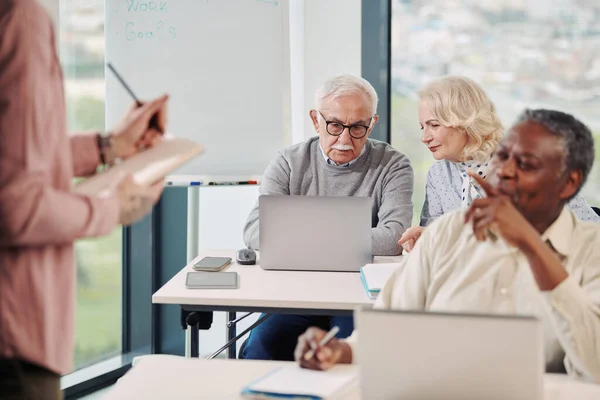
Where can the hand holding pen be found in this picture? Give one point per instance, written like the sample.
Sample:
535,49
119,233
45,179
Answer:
142,126
320,350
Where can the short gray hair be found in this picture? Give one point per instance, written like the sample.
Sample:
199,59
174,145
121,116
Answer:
341,85
575,136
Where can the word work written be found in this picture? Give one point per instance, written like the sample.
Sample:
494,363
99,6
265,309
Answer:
146,6
147,29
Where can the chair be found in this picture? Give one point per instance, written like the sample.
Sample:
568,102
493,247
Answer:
597,210
241,352
232,342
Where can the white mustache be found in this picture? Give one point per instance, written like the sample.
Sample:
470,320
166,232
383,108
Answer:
342,147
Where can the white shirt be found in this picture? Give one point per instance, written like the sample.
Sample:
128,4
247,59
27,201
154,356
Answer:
449,270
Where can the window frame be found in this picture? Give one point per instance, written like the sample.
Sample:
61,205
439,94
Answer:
136,320
376,60
154,250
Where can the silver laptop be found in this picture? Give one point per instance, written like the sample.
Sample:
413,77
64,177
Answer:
419,355
314,233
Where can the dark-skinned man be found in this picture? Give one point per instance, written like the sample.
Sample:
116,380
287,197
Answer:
516,251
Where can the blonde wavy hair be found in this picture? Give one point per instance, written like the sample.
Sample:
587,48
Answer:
460,103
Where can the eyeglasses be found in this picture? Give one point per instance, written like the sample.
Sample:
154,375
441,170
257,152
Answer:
355,131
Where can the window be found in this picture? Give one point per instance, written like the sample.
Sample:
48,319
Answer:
99,261
523,53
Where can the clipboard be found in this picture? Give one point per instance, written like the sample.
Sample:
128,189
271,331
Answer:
147,167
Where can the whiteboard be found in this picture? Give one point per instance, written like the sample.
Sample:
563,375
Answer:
225,64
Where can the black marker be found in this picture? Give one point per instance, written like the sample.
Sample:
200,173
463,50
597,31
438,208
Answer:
154,119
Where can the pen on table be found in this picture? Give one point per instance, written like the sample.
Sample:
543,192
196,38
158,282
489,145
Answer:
154,119
330,335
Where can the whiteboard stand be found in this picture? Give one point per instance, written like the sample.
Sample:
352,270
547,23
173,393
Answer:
192,246
188,339
193,229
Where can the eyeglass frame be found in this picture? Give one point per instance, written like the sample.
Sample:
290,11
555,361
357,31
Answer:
344,127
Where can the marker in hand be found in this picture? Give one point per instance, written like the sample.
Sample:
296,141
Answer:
330,335
154,120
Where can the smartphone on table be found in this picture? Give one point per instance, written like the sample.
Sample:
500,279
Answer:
212,264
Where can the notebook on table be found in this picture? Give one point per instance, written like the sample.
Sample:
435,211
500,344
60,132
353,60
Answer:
293,382
147,167
374,277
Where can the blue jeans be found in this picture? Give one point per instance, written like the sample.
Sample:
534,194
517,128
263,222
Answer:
276,338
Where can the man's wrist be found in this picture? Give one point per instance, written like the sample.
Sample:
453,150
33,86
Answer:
545,265
531,242
346,352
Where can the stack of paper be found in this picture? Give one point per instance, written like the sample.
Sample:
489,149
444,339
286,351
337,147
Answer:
374,277
298,383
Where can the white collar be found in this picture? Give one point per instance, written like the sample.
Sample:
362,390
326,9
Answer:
560,232
349,163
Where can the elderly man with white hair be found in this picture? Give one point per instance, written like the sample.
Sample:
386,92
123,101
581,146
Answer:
340,161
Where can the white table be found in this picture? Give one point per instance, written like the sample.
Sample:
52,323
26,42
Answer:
168,377
271,292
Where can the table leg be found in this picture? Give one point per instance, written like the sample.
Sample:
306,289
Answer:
193,324
195,342
231,329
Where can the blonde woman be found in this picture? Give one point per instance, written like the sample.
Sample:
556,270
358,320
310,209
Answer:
462,130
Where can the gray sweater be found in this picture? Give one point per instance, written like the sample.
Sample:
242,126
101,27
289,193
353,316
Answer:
381,172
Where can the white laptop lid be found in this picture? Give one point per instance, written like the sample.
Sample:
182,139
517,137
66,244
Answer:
419,355
316,233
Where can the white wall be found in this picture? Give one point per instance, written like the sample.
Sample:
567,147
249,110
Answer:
53,9
52,6
325,40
